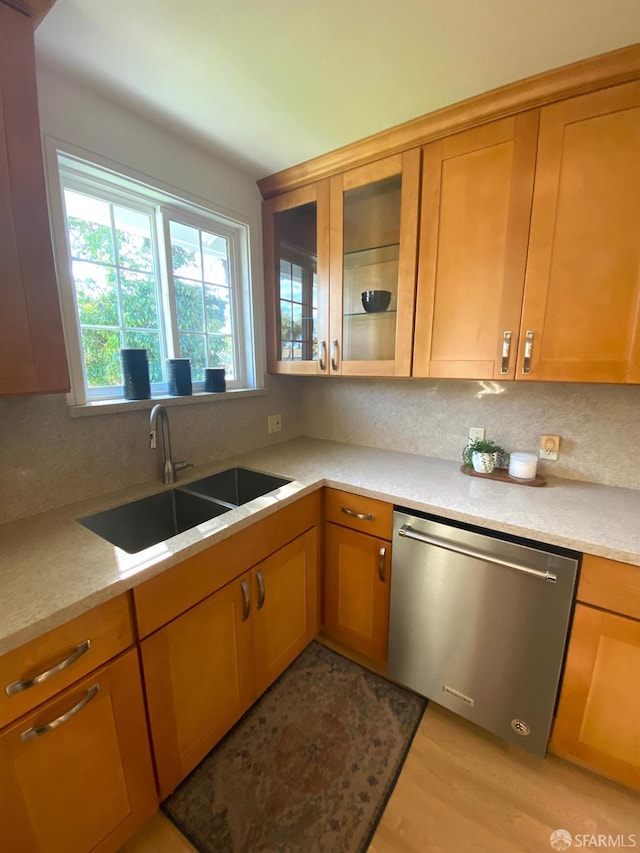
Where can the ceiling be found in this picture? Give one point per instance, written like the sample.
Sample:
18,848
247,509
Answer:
267,84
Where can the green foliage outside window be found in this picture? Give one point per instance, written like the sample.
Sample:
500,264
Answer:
112,317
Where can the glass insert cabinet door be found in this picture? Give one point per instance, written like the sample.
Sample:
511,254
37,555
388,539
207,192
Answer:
296,235
374,228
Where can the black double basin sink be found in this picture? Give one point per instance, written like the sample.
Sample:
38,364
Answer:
140,524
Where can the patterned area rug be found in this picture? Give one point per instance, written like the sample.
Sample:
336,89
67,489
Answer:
308,769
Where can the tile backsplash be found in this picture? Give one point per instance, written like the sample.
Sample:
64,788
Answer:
599,425
48,459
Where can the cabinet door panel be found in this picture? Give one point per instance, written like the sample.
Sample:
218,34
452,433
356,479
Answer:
86,784
288,619
198,675
582,290
32,352
373,244
598,721
296,257
476,204
356,590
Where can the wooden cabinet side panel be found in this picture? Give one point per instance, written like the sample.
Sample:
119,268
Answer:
88,784
582,289
29,212
598,720
408,265
170,593
356,592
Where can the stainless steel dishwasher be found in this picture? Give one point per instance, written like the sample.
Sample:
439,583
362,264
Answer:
479,622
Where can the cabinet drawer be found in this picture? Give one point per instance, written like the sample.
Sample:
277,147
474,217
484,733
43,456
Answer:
367,515
76,774
610,585
34,672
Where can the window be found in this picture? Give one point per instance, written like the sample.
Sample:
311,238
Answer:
152,271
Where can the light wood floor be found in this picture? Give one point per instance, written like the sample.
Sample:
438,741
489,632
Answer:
463,790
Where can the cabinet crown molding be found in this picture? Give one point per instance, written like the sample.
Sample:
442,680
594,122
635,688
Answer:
578,78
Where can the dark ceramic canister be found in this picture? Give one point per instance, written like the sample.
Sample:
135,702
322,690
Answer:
214,379
179,377
135,370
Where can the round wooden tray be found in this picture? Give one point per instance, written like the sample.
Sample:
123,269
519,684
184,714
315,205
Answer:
503,475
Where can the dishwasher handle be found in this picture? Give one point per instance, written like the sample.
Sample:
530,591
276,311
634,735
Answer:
407,531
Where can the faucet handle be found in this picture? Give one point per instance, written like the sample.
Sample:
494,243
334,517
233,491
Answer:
180,466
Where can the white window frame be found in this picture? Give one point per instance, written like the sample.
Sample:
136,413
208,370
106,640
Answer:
83,172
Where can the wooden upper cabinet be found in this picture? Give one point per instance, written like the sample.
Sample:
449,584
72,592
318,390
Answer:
296,261
476,205
32,352
582,289
373,246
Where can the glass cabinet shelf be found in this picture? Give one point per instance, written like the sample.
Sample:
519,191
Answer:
373,255
371,314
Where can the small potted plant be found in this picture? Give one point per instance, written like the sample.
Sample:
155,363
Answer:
482,455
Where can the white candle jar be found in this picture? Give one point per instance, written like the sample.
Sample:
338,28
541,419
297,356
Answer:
522,466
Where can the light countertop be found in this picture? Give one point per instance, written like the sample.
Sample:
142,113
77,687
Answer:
52,568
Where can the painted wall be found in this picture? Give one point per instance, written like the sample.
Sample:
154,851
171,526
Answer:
599,425
47,458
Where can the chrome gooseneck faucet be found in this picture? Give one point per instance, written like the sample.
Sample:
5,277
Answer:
159,415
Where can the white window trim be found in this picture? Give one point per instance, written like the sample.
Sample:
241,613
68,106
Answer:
185,206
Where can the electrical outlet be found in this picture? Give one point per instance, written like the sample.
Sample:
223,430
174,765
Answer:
274,423
476,432
549,447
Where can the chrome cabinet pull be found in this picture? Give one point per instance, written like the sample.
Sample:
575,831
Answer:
246,600
506,346
25,684
261,588
361,516
419,536
322,356
335,361
528,349
37,731
381,554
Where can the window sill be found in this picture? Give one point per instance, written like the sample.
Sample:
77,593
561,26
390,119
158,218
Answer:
108,407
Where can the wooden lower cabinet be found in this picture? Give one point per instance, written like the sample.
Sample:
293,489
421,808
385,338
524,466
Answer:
598,720
87,782
204,669
288,618
356,590
199,680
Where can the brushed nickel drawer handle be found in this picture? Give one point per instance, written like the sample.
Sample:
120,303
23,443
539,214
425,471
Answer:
506,347
528,349
335,361
38,731
361,516
381,553
322,356
261,588
246,600
25,684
